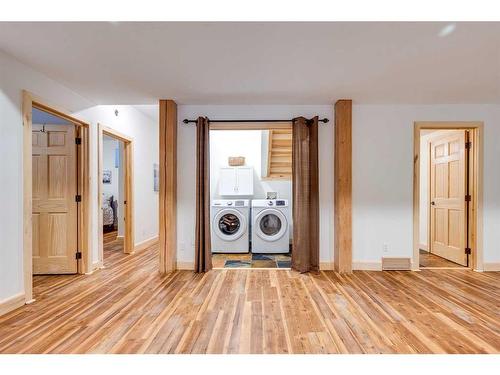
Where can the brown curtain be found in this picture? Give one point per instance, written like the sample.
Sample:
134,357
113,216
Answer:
305,184
203,261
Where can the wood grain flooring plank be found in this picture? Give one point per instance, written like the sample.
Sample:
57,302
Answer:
128,307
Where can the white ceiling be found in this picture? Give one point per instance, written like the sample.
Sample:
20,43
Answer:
264,63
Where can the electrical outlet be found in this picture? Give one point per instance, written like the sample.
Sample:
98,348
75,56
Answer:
385,248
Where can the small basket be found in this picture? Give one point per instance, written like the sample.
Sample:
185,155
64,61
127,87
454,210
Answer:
236,161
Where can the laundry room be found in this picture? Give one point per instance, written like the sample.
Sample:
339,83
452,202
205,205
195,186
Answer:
251,198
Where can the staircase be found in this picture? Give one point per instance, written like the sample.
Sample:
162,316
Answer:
279,161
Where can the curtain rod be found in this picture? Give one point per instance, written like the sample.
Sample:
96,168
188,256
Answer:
186,121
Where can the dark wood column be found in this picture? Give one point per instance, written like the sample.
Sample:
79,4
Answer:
343,186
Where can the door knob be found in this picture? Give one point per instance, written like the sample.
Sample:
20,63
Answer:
433,203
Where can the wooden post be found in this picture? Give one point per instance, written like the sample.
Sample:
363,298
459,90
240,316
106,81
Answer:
168,186
343,186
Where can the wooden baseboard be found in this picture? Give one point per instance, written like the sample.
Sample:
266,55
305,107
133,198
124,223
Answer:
326,266
491,267
145,244
12,303
189,266
95,267
423,247
120,237
361,265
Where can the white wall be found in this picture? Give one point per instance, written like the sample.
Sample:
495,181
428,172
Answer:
15,77
383,175
144,132
425,176
186,144
424,192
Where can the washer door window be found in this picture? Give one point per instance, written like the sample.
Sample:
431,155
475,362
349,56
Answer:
229,224
271,225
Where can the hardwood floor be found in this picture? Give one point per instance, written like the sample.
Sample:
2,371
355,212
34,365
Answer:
129,308
108,237
427,259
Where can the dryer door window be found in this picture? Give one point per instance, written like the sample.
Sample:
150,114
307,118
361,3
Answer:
229,224
270,224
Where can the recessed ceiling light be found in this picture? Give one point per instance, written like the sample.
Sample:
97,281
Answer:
447,30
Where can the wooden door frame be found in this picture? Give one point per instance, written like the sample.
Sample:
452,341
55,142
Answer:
476,184
84,265
128,144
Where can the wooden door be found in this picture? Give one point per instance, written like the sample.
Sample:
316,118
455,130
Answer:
447,196
54,205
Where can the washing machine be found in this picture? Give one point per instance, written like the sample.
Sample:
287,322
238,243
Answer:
230,225
270,226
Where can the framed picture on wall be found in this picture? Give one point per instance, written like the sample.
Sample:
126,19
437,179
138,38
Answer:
156,177
106,176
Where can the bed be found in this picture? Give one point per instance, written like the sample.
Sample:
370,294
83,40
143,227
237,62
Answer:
109,213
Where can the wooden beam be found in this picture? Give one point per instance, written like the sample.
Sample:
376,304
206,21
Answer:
343,186
168,186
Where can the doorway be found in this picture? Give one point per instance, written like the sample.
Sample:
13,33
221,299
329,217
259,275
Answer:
115,195
251,196
447,192
56,193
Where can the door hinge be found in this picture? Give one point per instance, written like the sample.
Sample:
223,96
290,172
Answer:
467,250
78,141
468,145
78,198
468,198
78,255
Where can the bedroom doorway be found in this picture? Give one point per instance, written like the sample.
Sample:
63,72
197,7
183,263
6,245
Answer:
115,194
56,189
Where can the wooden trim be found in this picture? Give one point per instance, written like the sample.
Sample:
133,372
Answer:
12,303
27,196
188,266
128,170
326,266
476,175
146,243
491,267
110,132
249,125
168,186
360,265
85,239
29,102
37,103
343,186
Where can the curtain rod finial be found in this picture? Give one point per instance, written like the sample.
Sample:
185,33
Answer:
185,121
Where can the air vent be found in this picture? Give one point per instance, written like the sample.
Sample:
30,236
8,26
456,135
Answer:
396,264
